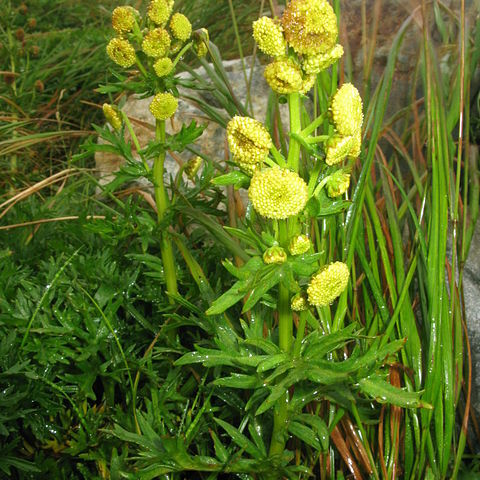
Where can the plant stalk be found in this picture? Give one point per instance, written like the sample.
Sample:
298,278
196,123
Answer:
162,202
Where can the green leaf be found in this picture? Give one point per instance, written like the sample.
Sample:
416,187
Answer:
265,280
384,392
241,440
306,434
318,426
238,380
272,361
236,178
230,297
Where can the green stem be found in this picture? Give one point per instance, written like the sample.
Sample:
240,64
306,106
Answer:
162,202
285,332
294,106
300,334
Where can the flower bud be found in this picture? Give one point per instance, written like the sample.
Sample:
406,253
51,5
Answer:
314,64
277,193
163,66
121,51
181,27
9,78
299,245
163,106
39,86
310,26
32,23
159,11
338,183
112,116
192,167
156,43
284,76
35,50
275,255
328,284
338,147
201,40
298,303
248,139
269,37
23,9
123,19
346,110
20,34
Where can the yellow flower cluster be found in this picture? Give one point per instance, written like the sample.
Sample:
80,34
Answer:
249,141
112,116
181,27
275,254
310,28
163,66
299,245
277,193
347,115
123,19
159,11
338,183
328,284
156,43
121,51
298,303
163,106
269,37
200,42
284,76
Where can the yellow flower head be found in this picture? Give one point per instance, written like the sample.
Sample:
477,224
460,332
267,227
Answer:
275,255
284,76
156,43
299,245
121,51
123,19
310,26
308,83
298,303
346,110
112,116
328,284
338,183
313,64
248,139
159,11
357,145
277,193
193,166
181,27
163,66
163,106
200,42
338,147
269,37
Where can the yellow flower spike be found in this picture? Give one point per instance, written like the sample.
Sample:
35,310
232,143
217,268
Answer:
123,19
248,139
159,11
308,83
163,106
275,255
284,76
121,51
310,26
338,183
269,37
112,116
277,193
298,303
314,64
328,284
338,147
357,145
181,27
346,110
299,245
200,42
163,66
156,43
193,166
